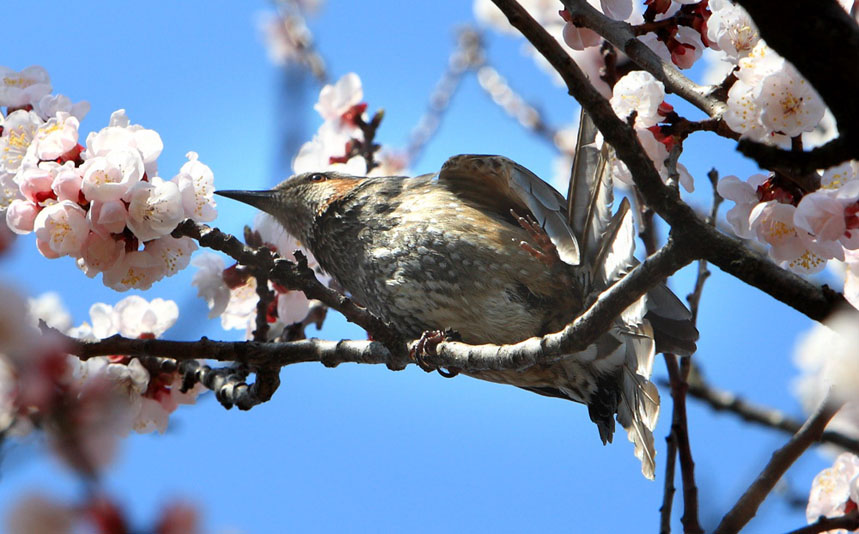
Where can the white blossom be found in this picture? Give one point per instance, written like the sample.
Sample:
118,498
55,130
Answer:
120,134
25,87
197,186
731,30
56,137
744,194
209,280
111,176
789,104
154,208
48,307
641,93
49,105
335,100
832,488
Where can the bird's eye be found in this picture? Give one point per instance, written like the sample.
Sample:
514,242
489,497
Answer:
318,177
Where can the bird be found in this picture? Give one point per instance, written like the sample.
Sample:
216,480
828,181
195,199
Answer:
487,249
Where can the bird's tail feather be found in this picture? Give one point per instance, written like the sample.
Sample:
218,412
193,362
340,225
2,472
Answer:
638,409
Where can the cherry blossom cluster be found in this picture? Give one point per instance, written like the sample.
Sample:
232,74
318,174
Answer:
102,203
802,229
835,490
333,146
83,407
641,95
231,292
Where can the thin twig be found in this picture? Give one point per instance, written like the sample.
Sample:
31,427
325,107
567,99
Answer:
680,430
725,401
467,56
747,505
849,522
668,488
702,240
621,35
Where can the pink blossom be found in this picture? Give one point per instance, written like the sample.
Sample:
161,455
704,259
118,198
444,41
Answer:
616,9
835,177
329,142
139,269
21,215
651,40
100,253
62,228
107,217
171,254
689,49
822,215
19,89
772,223
36,183
67,181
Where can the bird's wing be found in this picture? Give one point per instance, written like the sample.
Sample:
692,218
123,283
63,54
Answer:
589,198
497,184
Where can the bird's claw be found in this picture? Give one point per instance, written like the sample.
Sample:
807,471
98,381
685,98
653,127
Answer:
547,252
427,344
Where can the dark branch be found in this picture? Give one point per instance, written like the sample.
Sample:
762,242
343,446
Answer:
293,276
725,401
747,505
848,522
680,431
829,65
702,240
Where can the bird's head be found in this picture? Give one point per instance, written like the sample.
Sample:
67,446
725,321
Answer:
298,201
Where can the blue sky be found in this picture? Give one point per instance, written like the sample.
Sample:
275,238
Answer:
358,447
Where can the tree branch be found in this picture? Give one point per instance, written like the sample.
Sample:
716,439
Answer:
622,36
849,522
293,276
725,401
747,506
829,65
578,335
704,241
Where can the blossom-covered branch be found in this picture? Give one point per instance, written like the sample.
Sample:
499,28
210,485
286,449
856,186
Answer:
704,241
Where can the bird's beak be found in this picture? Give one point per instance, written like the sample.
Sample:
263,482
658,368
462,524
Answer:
263,200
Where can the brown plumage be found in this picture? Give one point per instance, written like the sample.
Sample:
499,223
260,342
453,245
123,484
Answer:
449,251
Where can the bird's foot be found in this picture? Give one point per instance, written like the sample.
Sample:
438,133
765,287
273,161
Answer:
547,252
427,344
